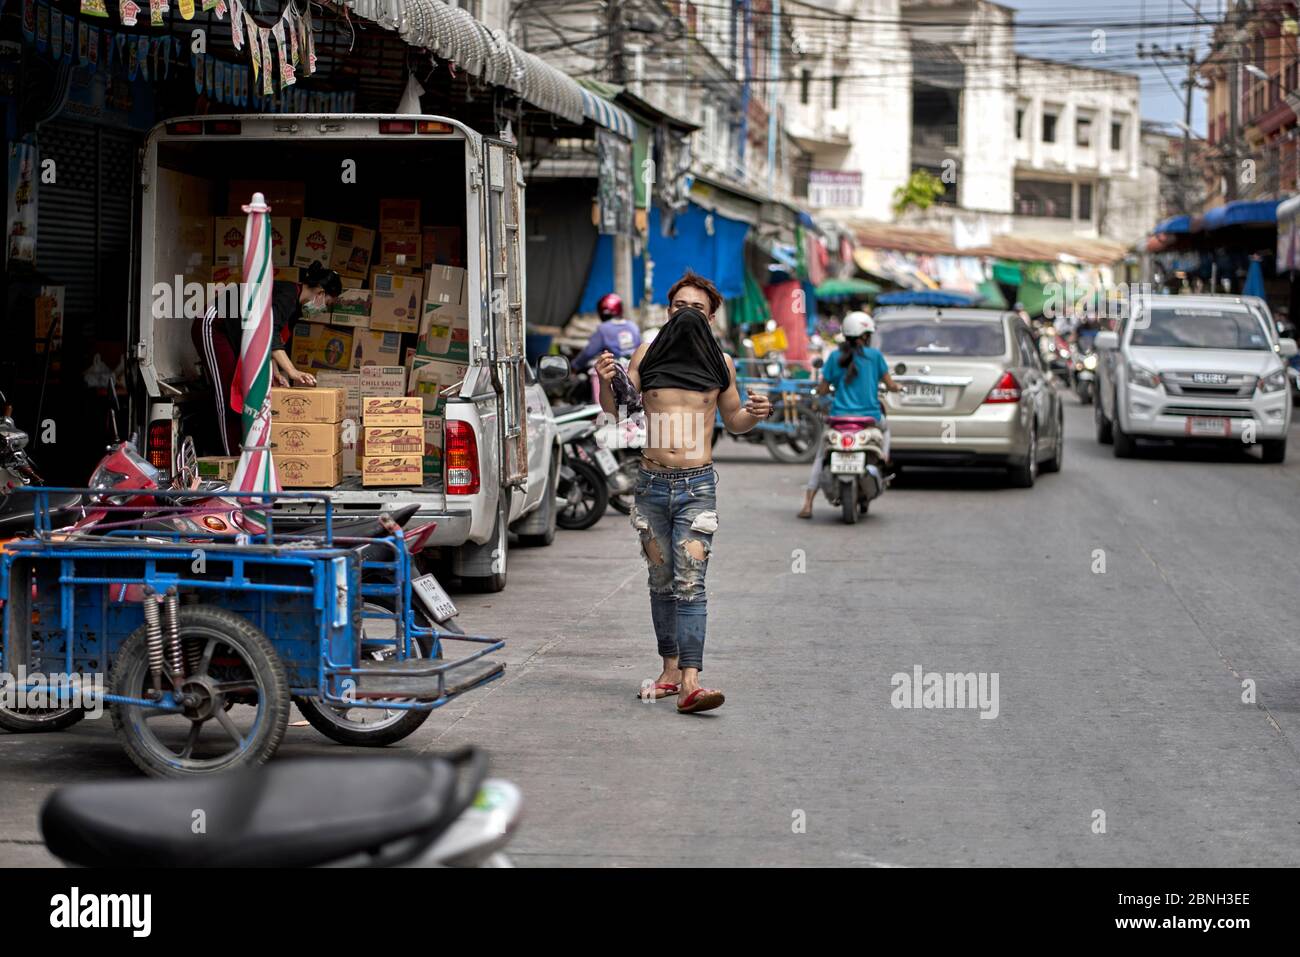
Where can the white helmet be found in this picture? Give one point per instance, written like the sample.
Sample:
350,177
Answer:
856,324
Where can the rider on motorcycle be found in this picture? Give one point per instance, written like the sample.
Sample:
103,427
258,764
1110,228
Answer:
618,335
856,371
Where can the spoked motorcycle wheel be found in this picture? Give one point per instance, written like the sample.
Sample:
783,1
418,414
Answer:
237,695
374,727
796,448
585,493
38,720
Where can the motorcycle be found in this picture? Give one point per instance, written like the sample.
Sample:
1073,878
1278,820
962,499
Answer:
853,458
585,468
1085,375
17,512
315,812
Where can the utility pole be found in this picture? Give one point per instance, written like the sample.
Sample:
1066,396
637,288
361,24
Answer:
1178,55
614,27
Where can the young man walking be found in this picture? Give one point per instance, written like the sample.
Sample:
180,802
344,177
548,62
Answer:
684,380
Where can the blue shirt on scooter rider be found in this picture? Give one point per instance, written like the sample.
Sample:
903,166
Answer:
859,397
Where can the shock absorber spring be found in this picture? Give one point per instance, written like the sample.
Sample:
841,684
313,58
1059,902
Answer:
193,655
174,650
153,637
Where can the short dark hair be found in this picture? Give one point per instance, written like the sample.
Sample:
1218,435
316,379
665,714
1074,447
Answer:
694,279
323,278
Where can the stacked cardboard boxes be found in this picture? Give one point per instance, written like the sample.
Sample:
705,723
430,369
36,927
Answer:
305,430
394,424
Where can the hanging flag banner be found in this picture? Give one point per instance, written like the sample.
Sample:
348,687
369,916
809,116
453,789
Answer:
29,20
132,60
196,64
250,30
42,27
287,77
56,34
92,49
264,40
236,25
212,74
116,46
142,54
128,10
82,29
187,9
69,38
293,25
94,8
311,41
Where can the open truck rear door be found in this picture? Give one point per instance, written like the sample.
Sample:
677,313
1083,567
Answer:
505,313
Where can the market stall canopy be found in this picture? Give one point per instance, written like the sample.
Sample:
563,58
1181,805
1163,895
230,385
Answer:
1174,224
597,107
453,34
1241,213
886,236
838,290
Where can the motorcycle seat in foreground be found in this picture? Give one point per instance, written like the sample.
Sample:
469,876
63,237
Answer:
289,814
845,423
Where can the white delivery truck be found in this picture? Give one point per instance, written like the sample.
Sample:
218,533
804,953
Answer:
500,455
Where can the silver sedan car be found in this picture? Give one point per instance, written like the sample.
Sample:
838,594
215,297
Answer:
975,391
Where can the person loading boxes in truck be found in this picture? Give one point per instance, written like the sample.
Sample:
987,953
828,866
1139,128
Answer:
218,341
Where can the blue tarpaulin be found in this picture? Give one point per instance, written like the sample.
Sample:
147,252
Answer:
1241,212
928,298
719,257
1175,224
1254,280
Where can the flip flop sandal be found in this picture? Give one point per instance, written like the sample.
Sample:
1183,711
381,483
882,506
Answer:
667,688
701,699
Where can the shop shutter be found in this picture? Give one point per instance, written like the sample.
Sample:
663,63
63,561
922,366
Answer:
83,229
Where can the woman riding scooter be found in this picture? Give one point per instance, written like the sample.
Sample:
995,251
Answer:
856,371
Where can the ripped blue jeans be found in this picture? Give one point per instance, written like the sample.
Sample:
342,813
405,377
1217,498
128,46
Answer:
676,514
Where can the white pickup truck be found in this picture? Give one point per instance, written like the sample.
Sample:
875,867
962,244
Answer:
498,419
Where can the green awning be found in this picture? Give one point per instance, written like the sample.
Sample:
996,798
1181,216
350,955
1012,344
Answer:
1007,273
992,294
837,290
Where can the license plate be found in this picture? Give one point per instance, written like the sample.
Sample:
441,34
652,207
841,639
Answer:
1202,425
916,393
433,598
853,463
608,464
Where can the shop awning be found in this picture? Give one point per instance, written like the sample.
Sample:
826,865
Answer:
838,290
928,297
596,106
1241,213
1174,224
451,33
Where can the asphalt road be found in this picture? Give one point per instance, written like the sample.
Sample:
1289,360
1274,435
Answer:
1119,691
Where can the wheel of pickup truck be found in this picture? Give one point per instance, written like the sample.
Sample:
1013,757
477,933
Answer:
1273,451
541,525
374,727
482,568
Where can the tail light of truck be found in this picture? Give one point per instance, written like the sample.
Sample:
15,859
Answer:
397,126
187,128
223,127
1006,390
460,451
160,445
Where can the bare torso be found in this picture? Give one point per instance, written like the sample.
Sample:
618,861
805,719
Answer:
679,427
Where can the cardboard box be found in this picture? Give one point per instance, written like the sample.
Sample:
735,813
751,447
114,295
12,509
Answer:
400,249
399,215
428,377
306,438
445,285
373,347
442,246
444,333
285,197
392,469
383,380
315,242
309,471
307,405
395,303
350,427
228,240
318,346
221,468
352,308
432,448
390,410
352,282
394,439
353,247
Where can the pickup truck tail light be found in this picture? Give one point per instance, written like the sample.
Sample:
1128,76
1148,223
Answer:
460,450
1007,389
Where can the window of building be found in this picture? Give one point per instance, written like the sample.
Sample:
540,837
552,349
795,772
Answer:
1020,122
1044,198
1117,136
1049,127
1083,131
1085,202
835,93
805,80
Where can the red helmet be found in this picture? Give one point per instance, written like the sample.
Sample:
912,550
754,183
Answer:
610,307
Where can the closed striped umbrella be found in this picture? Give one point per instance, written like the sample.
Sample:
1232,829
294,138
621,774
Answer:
256,470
